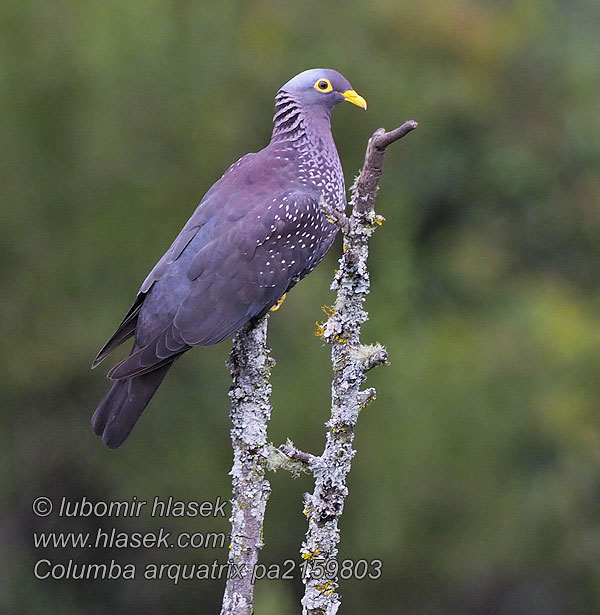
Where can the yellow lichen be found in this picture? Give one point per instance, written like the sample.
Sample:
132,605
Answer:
320,328
328,310
326,588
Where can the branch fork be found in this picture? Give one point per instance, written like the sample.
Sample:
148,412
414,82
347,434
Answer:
250,367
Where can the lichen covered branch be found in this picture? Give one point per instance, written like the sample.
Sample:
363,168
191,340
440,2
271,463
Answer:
351,362
250,366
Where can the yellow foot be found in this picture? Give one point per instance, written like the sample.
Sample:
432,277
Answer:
278,304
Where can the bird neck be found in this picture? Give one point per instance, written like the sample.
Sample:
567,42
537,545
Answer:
296,123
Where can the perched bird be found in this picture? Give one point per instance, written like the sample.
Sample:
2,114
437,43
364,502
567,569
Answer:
255,234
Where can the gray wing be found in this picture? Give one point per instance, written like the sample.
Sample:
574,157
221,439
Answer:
202,216
227,274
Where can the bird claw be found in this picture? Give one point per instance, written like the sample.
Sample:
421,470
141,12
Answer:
278,304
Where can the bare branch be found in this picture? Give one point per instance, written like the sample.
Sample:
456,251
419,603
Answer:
363,197
383,139
294,453
351,362
250,366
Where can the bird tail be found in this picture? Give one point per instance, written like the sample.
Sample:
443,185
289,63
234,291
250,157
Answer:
122,406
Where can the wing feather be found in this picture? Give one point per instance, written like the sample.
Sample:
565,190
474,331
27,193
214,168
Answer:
246,244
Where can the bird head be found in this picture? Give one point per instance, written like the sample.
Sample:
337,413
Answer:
324,87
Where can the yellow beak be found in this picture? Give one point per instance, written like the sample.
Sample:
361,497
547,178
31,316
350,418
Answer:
354,98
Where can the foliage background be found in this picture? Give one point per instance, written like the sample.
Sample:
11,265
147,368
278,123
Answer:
477,478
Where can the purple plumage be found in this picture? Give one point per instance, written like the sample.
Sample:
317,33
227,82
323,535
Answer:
255,234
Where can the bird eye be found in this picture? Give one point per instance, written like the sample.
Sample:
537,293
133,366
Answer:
323,85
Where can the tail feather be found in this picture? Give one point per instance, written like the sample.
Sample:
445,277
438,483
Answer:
124,331
122,406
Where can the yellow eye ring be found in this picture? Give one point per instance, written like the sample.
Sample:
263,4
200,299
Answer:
323,85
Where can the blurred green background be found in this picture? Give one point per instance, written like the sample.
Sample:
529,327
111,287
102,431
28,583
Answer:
477,478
